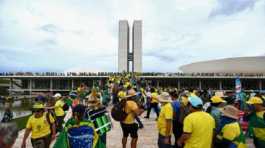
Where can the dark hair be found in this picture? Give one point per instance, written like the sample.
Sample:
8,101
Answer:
173,94
152,90
215,104
79,110
199,107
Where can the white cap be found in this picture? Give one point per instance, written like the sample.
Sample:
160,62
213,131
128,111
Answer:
57,95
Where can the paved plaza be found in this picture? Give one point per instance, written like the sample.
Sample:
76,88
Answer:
147,136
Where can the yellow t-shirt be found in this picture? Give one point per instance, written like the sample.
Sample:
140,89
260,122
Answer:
166,113
231,131
129,108
154,97
58,108
260,132
40,127
200,125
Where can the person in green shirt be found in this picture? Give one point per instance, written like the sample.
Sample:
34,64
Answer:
256,127
78,132
229,131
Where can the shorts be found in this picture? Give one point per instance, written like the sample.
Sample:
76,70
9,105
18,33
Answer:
130,129
161,143
43,142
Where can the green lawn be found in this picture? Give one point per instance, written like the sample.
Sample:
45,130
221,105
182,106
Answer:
21,122
4,81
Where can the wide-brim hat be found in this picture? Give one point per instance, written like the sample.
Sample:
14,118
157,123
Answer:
91,98
131,93
164,97
231,112
220,94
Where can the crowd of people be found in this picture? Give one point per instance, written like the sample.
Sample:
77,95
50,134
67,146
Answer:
194,118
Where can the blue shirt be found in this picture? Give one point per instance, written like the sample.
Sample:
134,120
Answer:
176,109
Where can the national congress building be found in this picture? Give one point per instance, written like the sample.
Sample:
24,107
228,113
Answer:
130,60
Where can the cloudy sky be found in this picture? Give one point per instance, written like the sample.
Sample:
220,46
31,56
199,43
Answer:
82,35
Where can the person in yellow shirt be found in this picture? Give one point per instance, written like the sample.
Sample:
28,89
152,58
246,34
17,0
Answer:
41,126
164,122
59,112
256,126
198,126
153,103
129,126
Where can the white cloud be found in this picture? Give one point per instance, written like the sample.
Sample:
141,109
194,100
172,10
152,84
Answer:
83,34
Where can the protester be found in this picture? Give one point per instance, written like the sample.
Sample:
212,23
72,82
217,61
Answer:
165,121
69,99
82,92
97,113
153,104
8,115
41,126
229,132
59,112
198,126
178,110
256,127
8,134
78,132
129,127
105,96
215,109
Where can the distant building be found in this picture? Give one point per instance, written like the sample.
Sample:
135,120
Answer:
137,46
227,65
125,56
124,46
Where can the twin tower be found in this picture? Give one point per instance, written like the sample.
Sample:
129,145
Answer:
130,60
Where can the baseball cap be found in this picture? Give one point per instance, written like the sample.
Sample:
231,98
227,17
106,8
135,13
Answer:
217,99
195,101
57,95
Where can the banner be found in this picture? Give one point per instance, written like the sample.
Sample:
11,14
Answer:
238,88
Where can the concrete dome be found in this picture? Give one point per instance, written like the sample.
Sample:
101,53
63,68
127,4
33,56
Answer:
228,65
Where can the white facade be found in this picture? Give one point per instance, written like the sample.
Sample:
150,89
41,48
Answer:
124,33
137,46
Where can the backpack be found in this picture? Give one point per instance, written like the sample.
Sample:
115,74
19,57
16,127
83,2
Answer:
118,111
